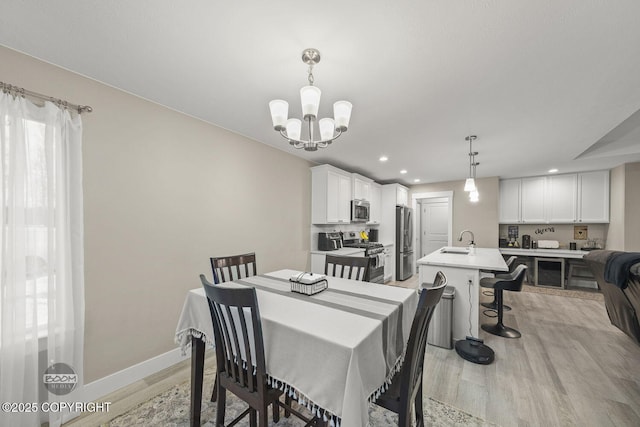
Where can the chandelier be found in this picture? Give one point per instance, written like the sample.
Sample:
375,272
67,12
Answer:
470,183
291,129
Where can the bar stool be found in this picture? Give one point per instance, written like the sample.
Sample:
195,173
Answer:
511,282
493,305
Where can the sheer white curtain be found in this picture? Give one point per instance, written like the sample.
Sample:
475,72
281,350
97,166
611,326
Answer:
41,253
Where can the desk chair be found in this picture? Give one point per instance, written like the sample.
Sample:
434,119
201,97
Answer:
511,282
493,305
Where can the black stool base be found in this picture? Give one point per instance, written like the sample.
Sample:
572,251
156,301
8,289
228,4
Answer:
494,306
475,351
502,331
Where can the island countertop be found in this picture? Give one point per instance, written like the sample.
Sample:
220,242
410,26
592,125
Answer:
484,259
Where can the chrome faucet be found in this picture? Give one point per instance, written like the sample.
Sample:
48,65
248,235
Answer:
472,237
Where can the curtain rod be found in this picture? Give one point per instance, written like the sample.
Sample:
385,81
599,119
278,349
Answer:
6,87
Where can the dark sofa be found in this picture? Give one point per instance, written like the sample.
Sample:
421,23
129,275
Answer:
621,300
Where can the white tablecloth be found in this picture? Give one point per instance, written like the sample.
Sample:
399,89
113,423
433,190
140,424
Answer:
335,349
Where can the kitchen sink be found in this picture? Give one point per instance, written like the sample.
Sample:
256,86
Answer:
459,251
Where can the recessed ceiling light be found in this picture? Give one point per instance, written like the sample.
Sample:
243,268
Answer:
403,171
383,158
416,180
553,170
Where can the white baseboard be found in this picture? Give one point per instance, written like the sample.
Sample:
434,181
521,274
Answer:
100,388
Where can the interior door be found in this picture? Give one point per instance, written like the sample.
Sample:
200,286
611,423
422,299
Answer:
434,226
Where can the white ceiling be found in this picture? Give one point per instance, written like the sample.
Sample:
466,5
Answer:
540,82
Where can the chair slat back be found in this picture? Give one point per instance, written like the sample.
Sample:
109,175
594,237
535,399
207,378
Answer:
229,268
347,267
238,335
411,375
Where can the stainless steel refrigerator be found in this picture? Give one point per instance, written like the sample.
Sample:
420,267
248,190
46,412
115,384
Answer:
404,243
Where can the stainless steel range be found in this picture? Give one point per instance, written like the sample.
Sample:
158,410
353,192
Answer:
373,250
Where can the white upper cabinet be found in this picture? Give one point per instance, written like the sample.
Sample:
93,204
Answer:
510,201
330,195
593,196
402,196
562,198
532,200
361,187
376,204
557,199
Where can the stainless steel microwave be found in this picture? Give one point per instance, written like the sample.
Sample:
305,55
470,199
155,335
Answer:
360,210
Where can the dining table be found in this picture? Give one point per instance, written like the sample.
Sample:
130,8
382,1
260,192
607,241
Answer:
334,351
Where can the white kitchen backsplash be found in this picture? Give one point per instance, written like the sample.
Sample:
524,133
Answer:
563,233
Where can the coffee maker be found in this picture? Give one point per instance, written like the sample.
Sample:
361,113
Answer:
526,241
329,241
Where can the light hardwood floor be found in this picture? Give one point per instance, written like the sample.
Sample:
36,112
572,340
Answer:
570,368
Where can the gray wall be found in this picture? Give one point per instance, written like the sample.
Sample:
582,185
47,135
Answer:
162,193
624,226
480,217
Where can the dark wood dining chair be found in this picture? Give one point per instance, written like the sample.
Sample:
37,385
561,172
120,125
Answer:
228,268
233,267
240,368
347,267
406,386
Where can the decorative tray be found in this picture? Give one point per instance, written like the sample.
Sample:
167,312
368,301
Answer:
308,283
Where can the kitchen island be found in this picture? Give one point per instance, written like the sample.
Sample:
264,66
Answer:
463,272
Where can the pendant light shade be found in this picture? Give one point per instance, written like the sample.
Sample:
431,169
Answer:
342,114
279,113
327,127
294,126
470,185
310,99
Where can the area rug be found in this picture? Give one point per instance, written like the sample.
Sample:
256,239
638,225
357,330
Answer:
571,293
171,409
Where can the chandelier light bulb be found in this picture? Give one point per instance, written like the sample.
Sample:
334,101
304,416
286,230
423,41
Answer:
474,196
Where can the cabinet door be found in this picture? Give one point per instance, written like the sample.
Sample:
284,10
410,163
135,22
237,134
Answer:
510,201
593,196
361,189
317,263
532,199
344,198
338,198
562,196
376,203
402,196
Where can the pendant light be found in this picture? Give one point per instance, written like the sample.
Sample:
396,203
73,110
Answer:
470,183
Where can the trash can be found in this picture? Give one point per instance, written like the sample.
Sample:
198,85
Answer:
440,327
